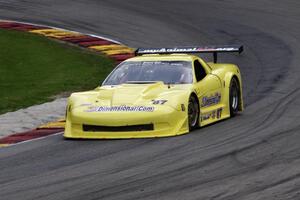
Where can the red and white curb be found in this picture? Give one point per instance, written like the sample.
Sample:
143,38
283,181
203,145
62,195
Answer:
111,48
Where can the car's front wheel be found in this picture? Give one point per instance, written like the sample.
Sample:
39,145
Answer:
193,112
234,97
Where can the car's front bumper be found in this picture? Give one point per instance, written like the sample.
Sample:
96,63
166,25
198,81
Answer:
166,122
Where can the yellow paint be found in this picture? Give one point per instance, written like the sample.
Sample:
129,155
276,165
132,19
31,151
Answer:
45,31
168,119
55,33
4,145
115,52
108,47
57,124
62,35
62,120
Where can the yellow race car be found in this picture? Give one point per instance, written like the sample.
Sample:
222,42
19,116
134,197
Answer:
160,92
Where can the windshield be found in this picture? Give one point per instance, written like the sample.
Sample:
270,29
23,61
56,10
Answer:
170,72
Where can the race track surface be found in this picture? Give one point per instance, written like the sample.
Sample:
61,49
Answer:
254,156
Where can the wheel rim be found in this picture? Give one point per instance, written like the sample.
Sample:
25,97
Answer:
193,112
235,97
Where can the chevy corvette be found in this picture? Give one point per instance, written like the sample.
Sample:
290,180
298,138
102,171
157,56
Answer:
160,92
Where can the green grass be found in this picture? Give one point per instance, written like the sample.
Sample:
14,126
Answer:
33,69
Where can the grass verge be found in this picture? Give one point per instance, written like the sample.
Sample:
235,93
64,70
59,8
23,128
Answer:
33,69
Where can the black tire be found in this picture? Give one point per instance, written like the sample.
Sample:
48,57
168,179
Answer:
193,113
234,97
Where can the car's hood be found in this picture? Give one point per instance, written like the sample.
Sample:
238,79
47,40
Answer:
132,94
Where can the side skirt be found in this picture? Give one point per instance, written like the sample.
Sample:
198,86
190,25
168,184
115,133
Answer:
213,114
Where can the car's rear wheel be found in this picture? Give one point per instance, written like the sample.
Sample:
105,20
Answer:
193,112
234,97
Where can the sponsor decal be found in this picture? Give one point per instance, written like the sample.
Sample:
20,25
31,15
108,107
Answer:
122,108
219,113
159,102
212,115
188,49
226,49
212,100
166,50
205,117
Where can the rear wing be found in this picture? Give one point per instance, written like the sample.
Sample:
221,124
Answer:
197,49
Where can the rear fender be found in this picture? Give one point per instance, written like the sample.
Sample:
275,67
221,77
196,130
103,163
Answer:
227,79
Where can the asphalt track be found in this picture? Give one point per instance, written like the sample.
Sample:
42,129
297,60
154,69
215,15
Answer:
253,156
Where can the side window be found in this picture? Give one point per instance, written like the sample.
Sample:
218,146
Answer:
200,72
